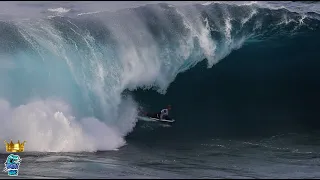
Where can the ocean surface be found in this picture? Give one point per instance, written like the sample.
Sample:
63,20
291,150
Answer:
242,79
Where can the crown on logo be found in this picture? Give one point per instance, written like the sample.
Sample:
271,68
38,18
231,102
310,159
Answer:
17,147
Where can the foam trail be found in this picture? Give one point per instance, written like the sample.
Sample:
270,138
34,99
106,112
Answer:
49,126
59,10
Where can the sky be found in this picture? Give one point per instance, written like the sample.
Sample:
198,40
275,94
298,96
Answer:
36,9
33,9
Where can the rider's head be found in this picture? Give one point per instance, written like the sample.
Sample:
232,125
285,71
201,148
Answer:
169,107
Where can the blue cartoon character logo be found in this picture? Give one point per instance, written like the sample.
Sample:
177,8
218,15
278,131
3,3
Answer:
12,165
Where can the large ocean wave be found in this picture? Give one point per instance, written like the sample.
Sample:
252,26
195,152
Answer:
63,77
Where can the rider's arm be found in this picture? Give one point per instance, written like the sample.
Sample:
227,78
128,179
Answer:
164,112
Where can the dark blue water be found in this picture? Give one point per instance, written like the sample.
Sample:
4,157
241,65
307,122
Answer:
282,156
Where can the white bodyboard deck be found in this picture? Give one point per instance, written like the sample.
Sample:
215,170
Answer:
150,119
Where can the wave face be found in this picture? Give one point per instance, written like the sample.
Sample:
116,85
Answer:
259,90
63,77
